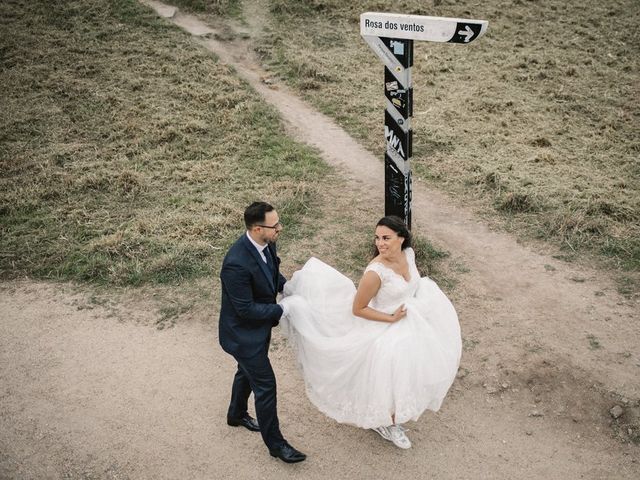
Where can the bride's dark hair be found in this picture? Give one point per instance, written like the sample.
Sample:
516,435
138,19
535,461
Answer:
397,225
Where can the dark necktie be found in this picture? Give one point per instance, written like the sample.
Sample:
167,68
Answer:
270,263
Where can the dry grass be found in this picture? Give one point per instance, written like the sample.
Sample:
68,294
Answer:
127,152
218,7
128,155
538,122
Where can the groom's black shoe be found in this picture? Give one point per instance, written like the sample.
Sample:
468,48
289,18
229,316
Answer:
247,422
288,454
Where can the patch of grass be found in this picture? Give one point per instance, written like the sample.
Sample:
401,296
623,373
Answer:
515,202
594,343
543,133
217,7
127,153
459,266
168,314
627,285
429,259
469,344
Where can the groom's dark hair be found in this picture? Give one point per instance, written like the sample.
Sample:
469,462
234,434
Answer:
255,213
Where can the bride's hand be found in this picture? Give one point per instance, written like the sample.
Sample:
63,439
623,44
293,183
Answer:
400,313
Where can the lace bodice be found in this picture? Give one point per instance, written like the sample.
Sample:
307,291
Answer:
394,289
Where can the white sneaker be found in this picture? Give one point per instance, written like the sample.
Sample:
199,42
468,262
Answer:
398,437
384,432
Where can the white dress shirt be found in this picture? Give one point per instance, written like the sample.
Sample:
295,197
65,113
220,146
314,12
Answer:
259,247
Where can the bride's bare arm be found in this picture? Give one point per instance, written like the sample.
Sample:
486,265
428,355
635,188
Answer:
367,289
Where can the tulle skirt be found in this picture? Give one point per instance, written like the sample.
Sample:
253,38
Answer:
362,372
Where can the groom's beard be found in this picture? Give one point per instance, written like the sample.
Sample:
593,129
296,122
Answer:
272,240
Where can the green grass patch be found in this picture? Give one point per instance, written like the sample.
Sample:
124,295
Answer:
127,152
217,7
594,343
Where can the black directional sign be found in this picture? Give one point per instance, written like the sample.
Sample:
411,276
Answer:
391,37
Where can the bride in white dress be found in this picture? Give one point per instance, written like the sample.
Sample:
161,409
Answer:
380,355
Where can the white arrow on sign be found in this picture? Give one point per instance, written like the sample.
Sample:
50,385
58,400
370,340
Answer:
467,33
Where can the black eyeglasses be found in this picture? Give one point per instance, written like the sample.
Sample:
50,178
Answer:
275,227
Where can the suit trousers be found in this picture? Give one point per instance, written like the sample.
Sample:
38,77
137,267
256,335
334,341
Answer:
256,374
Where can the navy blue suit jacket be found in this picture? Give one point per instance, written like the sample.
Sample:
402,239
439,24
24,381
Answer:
248,310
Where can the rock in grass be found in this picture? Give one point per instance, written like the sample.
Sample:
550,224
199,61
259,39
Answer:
616,411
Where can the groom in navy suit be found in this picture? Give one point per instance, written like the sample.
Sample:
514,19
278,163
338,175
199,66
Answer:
251,280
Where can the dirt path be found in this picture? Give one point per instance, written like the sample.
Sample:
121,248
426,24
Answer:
92,392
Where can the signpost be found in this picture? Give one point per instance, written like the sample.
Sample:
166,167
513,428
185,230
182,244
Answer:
391,37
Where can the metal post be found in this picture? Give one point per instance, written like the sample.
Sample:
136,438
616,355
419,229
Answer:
397,130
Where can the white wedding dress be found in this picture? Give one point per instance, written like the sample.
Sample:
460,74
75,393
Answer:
360,371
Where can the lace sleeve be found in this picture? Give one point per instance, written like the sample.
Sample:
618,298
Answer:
375,267
411,254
